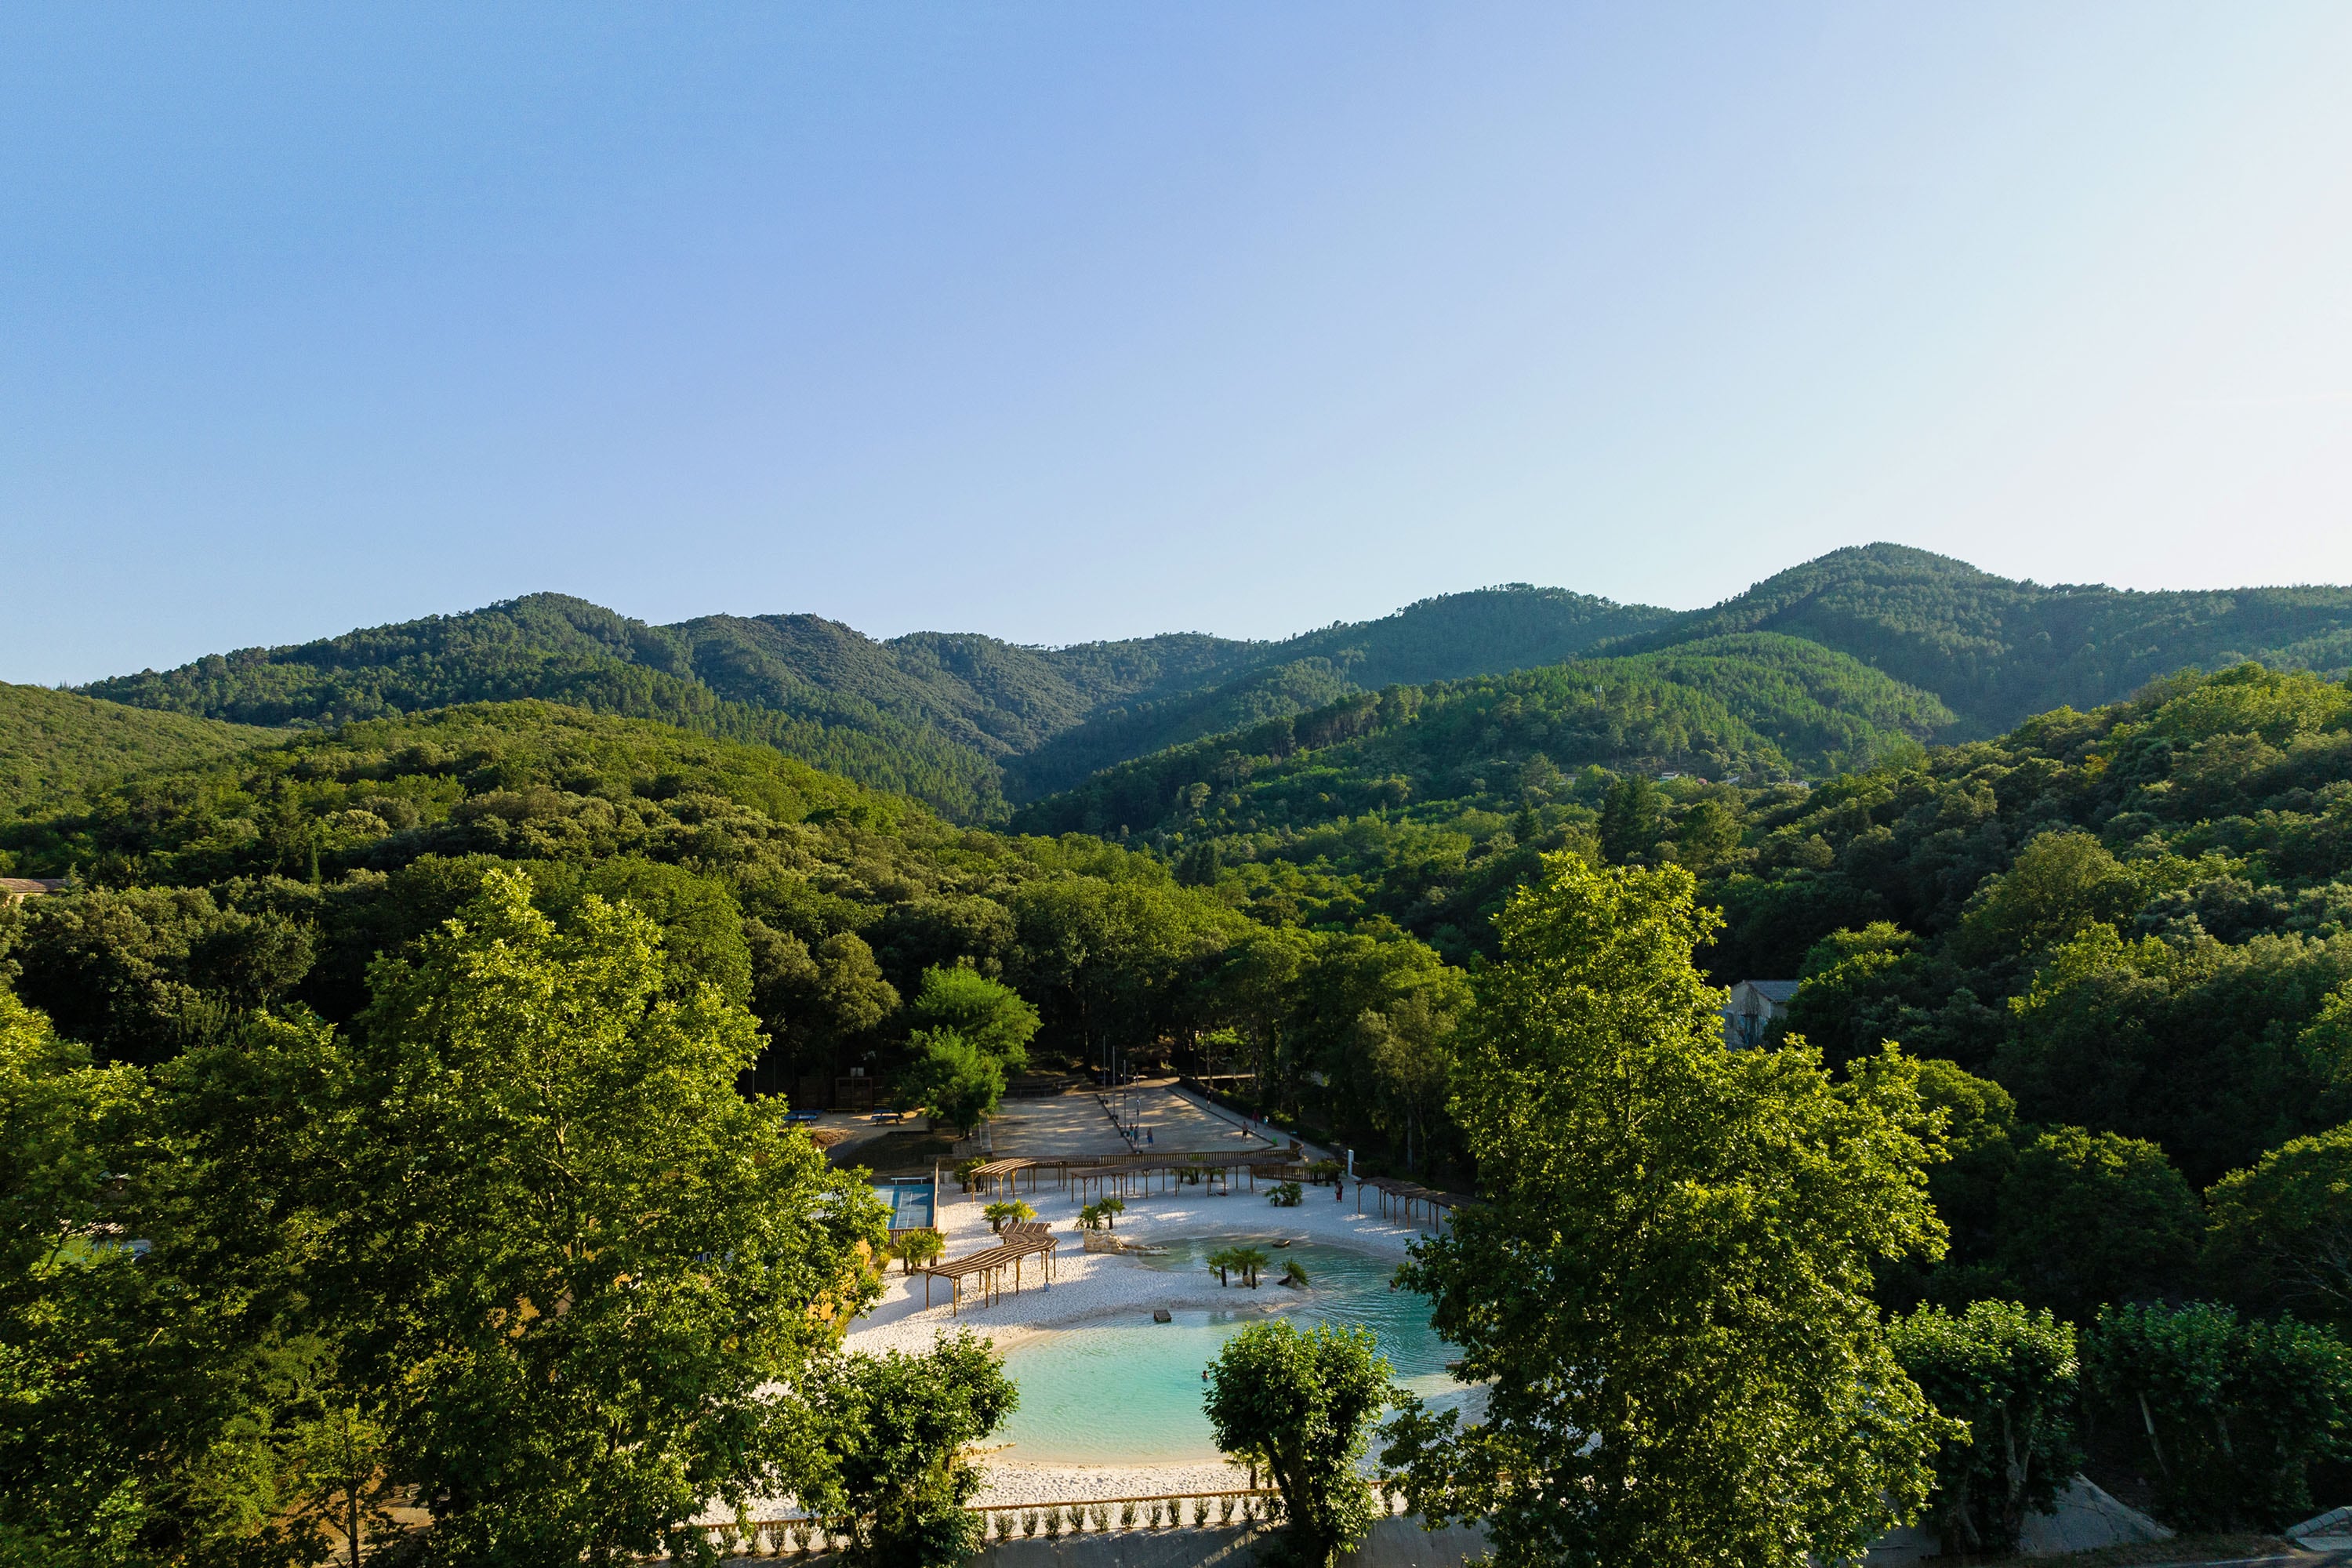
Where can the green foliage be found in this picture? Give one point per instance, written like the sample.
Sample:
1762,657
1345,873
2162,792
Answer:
1997,649
1245,1261
949,718
556,1220
2010,1375
954,1080
895,1427
520,1209
142,972
2088,1218
988,1012
2060,885
917,1248
2132,918
1303,1405
1690,1228
1981,1134
2278,1235
2234,1413
819,897
1012,1211
1284,1194
57,745
1756,706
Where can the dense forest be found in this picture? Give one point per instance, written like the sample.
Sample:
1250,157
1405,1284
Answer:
54,745
274,876
2112,947
1997,650
970,723
1422,805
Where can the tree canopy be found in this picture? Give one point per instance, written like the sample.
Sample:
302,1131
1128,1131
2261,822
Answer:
1674,1260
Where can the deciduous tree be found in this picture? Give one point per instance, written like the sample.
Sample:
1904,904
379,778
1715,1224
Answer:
1667,1290
1303,1404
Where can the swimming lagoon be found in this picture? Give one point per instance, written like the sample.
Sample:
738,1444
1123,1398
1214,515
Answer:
1126,1391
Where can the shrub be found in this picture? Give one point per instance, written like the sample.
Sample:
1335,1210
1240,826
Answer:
2010,1375
2235,1414
1126,1517
1029,1522
1101,1518
1294,1274
1285,1195
1003,1526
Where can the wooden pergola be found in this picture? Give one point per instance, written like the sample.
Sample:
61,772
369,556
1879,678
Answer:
1015,1246
1122,1174
1005,1175
1405,1198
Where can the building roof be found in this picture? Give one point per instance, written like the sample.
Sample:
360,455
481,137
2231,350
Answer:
30,886
1773,991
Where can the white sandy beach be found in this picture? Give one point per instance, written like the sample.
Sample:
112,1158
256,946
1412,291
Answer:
1092,1287
1104,1287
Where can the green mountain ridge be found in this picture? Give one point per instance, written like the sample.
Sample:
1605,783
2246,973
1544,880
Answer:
1760,706
976,727
1998,650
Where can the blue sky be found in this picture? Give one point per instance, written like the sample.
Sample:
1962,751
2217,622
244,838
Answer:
1067,322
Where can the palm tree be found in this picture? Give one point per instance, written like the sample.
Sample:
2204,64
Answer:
1248,1261
917,1248
1221,1260
999,1215
1112,1207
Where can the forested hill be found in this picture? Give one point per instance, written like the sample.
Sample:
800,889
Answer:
969,723
1757,708
1998,651
945,717
54,745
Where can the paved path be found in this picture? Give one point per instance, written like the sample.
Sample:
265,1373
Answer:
1075,1126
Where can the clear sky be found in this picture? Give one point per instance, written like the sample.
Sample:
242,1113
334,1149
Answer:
1060,323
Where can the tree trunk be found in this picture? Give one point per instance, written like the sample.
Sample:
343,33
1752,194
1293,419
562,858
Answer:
2151,1422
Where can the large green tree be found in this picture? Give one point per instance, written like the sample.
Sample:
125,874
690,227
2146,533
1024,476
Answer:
2010,1375
892,1454
954,1080
2279,1235
1303,1404
990,1014
2234,1413
586,1278
1667,1291
2089,1219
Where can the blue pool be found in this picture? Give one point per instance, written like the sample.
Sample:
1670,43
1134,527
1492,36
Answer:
1128,1391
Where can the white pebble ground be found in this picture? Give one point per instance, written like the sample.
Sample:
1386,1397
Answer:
1106,1287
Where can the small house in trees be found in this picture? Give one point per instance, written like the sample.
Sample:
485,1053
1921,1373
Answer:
1754,1004
13,889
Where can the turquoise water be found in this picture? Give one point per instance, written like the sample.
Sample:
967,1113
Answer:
1128,1391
